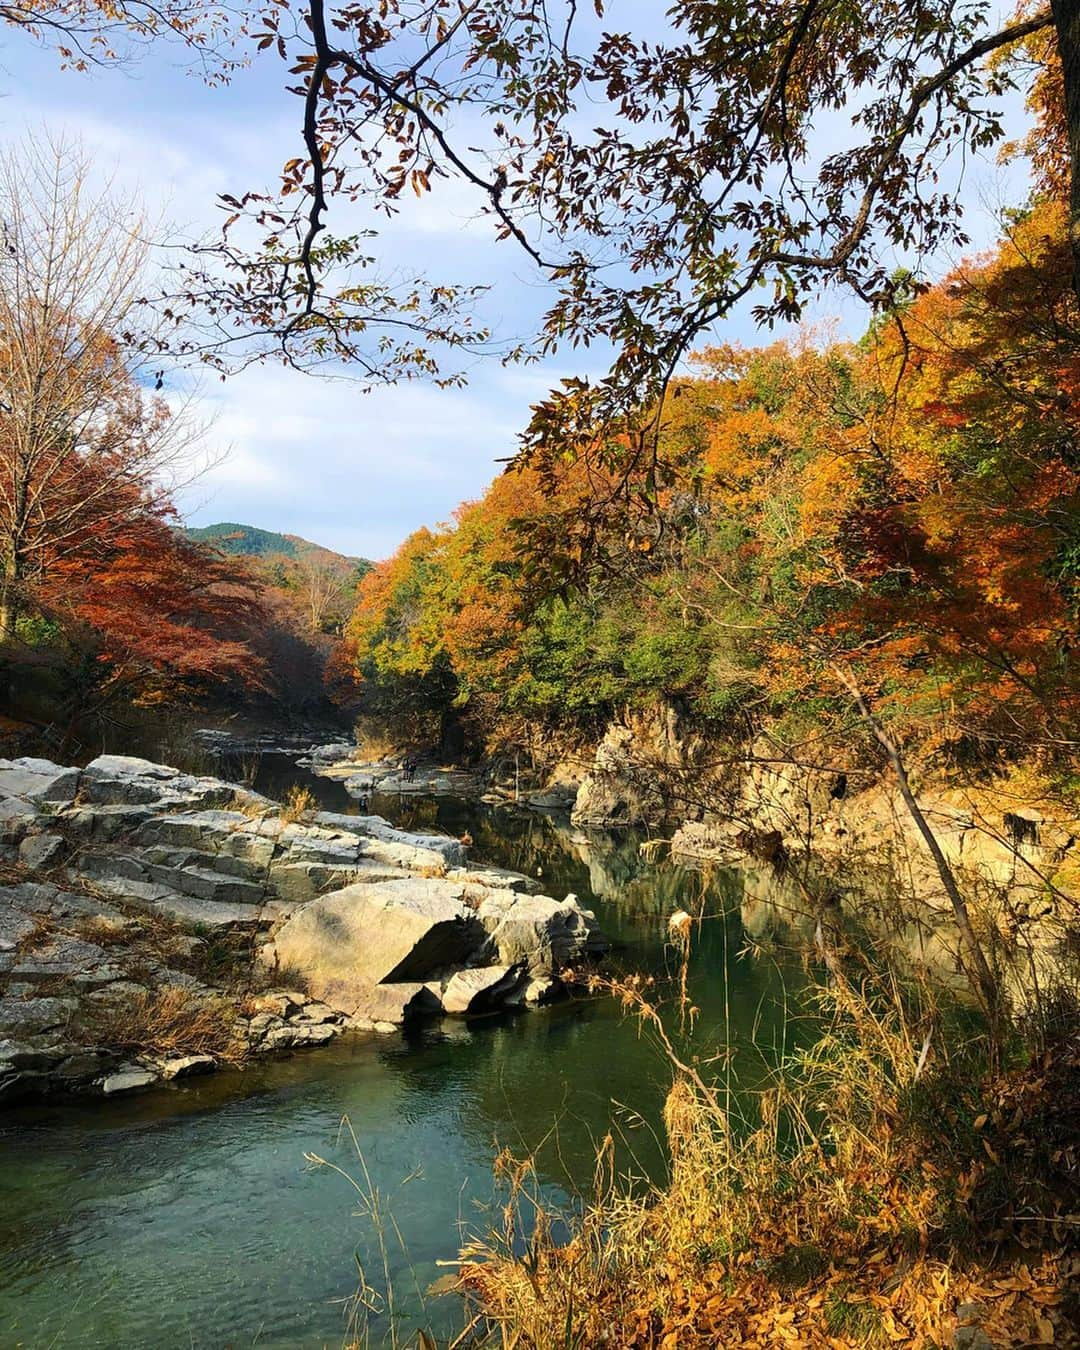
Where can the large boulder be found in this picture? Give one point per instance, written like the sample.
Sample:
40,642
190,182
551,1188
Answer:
384,933
640,762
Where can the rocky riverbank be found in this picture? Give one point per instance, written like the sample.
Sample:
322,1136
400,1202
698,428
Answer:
155,924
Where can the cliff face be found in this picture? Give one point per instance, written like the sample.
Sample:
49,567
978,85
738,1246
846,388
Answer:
642,771
1014,849
655,767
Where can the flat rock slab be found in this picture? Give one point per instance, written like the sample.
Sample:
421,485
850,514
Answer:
451,851
78,963
495,878
386,1003
128,1080
187,1066
186,910
17,816
38,780
34,1016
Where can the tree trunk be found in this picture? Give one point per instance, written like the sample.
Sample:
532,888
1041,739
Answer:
1067,23
9,597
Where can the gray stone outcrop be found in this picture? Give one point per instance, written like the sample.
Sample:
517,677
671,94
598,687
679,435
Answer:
123,878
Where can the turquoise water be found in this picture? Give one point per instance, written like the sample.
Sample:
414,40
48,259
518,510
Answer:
190,1218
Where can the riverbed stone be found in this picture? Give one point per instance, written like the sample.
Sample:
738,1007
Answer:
128,780
24,1017
541,990
297,882
78,963
15,925
187,1066
186,910
479,989
292,1036
128,1078
16,818
204,884
394,1003
494,878
382,924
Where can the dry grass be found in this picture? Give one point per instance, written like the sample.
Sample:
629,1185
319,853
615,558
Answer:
167,1021
432,871
299,803
105,931
879,1184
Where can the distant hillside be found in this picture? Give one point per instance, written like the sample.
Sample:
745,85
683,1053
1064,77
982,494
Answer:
251,541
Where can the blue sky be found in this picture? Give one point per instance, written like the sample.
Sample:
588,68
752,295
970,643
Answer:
320,458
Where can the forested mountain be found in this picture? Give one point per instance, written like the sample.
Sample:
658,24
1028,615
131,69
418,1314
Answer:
253,542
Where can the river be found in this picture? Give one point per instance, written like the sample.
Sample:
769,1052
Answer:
190,1217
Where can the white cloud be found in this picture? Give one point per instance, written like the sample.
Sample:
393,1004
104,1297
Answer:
351,470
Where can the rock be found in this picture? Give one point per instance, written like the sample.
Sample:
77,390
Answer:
321,756
129,1078
394,1003
185,910
204,884
187,1066
556,799
37,780
77,963
16,818
366,913
83,1066
970,1312
494,878
541,990
538,932
621,788
291,1036
16,924
278,1003
105,823
451,851
479,989
39,851
318,1013
296,882
33,1016
377,934
210,831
